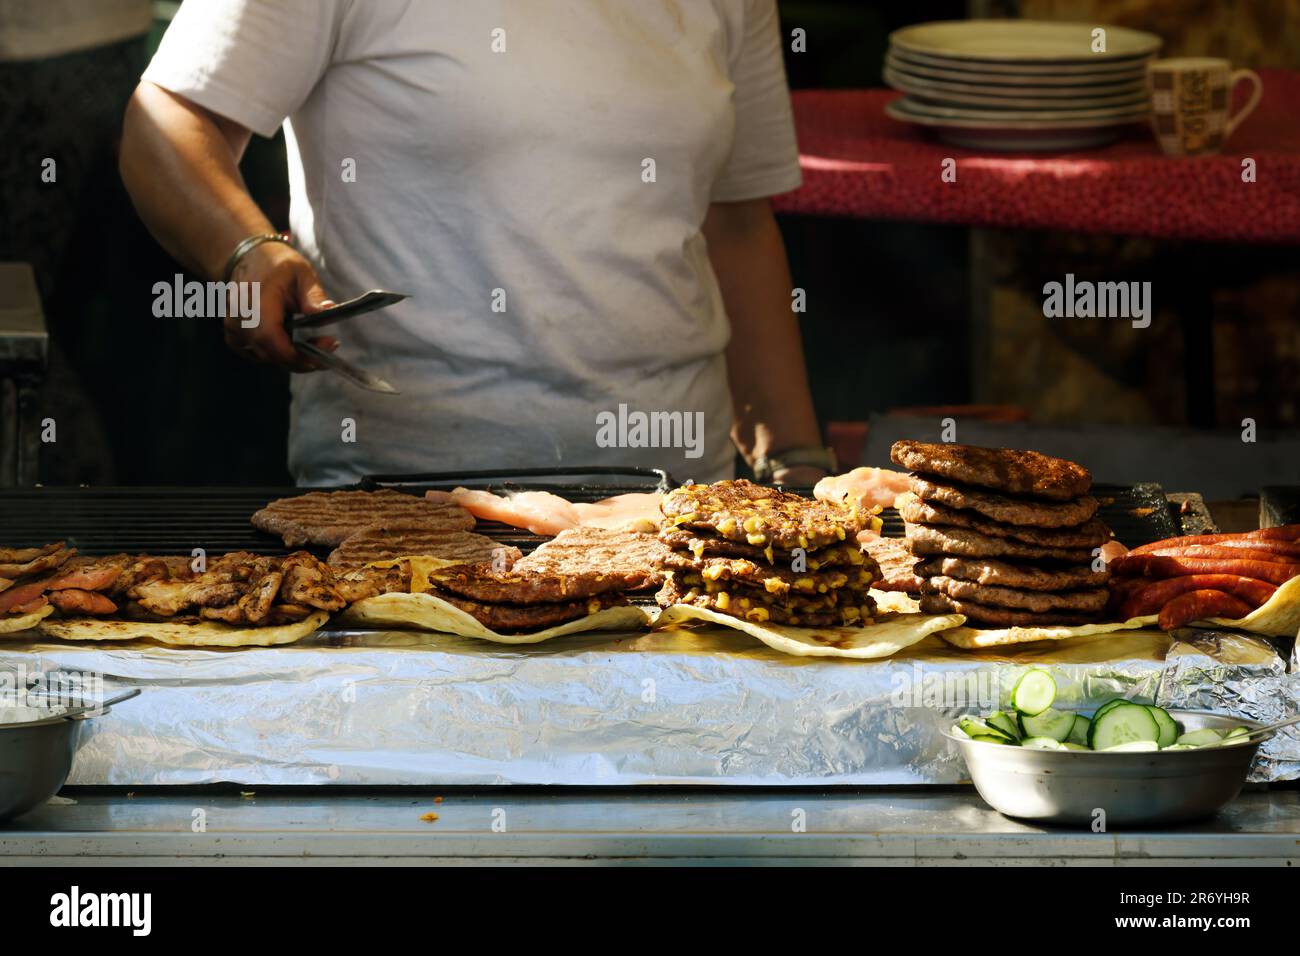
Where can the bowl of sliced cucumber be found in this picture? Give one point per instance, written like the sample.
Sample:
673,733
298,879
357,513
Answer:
1126,763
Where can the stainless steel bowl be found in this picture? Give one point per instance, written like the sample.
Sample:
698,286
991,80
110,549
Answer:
36,756
1070,786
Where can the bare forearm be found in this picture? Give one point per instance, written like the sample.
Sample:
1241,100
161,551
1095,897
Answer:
181,166
769,383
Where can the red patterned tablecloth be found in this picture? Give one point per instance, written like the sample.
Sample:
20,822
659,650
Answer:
858,162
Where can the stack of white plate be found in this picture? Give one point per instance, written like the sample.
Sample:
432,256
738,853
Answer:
1020,84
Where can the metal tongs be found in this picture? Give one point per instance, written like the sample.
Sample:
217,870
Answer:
366,302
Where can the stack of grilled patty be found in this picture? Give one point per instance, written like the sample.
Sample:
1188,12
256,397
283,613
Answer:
765,555
1004,537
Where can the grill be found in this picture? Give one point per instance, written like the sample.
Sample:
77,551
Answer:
150,520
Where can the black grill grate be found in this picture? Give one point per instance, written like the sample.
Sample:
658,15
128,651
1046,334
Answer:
176,520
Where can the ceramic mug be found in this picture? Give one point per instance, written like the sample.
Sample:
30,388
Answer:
1190,100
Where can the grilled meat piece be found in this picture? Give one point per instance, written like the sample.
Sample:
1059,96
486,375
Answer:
309,582
702,544
848,615
168,598
330,517
479,582
1006,508
361,583
1089,601
74,602
897,563
759,516
23,555
961,542
773,579
988,571
40,563
504,618
988,615
398,539
629,556
1002,469
1091,535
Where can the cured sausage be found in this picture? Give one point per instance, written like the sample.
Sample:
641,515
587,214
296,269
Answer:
1282,540
1227,553
1157,566
1150,596
1196,605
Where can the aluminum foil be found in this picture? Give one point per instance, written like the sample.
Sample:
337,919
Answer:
690,707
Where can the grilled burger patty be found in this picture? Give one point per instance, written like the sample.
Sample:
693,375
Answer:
401,538
630,556
674,592
703,544
1002,469
1089,601
759,516
896,564
479,582
329,517
1090,535
962,542
775,579
516,617
747,596
989,571
992,616
1005,508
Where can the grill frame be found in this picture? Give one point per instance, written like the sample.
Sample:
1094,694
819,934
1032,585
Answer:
176,520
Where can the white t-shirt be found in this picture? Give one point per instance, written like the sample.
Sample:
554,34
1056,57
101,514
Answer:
490,158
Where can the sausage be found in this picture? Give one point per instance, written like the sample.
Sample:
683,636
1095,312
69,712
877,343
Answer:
1157,566
1284,539
1150,596
1197,605
1227,553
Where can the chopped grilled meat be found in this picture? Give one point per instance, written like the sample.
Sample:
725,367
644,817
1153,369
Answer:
309,581
257,601
23,555
1002,469
361,583
330,517
167,598
76,602
36,565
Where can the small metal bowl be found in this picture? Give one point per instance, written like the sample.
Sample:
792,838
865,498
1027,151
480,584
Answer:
1069,786
36,755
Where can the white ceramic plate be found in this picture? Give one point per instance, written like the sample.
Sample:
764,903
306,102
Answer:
944,93
1098,69
1022,41
1006,135
1025,119
1028,84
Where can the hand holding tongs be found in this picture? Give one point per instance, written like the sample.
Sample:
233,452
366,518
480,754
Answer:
366,302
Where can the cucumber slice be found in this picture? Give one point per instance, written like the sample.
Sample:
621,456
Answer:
1071,745
1109,705
1180,747
1133,746
1079,732
1204,737
990,739
975,728
1005,723
1034,692
1056,724
1123,724
1168,727
1233,740
1041,743
1237,732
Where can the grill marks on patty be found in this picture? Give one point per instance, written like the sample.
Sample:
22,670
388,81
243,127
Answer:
1001,469
329,517
629,557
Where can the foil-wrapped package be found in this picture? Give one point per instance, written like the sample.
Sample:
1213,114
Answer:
706,706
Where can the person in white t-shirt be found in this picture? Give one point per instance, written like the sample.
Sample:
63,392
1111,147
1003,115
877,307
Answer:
574,193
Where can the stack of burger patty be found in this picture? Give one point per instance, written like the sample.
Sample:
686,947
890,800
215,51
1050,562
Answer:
1004,537
765,555
580,572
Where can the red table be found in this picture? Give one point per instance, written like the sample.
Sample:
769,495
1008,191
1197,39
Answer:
858,162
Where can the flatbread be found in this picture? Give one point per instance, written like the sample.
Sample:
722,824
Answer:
892,632
17,623
431,613
201,634
969,638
